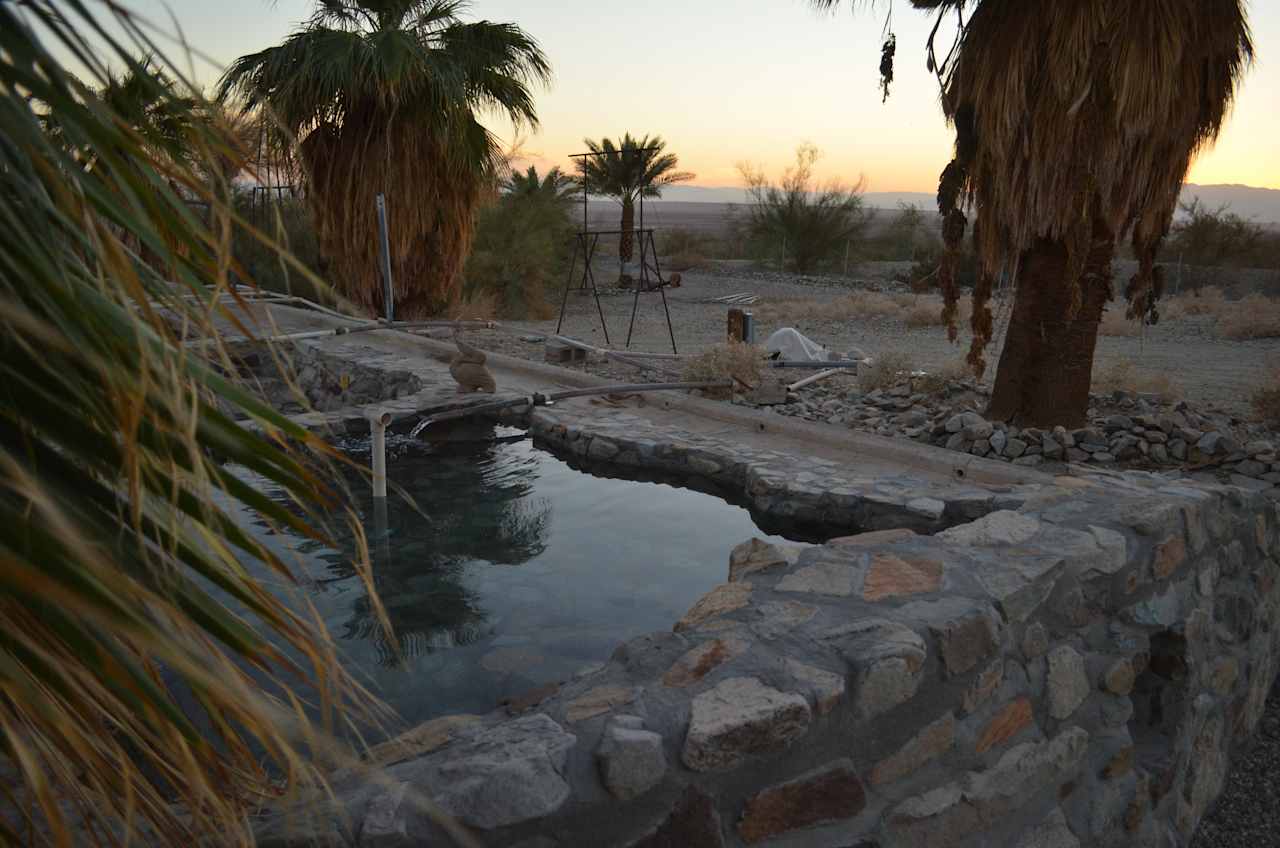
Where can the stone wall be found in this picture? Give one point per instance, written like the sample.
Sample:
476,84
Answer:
1077,671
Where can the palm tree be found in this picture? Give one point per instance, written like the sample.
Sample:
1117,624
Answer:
1075,126
627,171
382,96
555,186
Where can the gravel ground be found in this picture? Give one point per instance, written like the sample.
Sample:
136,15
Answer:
1208,372
1247,815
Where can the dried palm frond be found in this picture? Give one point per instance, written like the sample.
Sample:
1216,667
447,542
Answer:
151,689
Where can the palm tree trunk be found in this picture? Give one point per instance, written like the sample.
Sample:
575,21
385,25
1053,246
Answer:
627,238
1046,367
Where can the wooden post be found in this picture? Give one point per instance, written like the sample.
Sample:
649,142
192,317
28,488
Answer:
737,329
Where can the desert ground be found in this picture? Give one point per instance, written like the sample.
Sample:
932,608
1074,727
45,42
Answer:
1184,354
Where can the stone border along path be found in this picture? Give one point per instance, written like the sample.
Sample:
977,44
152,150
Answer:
1075,667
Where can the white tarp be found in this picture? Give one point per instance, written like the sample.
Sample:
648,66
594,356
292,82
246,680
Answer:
791,345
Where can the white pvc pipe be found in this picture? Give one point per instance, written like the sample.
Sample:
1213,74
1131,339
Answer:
378,426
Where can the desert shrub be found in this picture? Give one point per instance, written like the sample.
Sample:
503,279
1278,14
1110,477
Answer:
731,360
473,306
922,275
1209,300
286,222
809,226
1114,323
521,252
1122,376
887,369
1208,237
682,249
1252,317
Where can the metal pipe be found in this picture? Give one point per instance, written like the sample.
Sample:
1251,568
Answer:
813,378
540,399
378,426
778,363
385,245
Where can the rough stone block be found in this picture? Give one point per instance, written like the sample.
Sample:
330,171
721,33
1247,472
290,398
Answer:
965,640
498,776
599,701
887,659
930,743
824,578
827,794
692,821
890,576
1168,557
827,687
1004,527
757,555
988,681
630,759
1068,683
1053,832
698,662
741,716
1011,720
778,618
724,598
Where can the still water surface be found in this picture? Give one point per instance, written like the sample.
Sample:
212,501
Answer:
513,570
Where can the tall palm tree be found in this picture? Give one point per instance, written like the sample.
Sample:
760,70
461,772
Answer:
1075,126
626,171
382,96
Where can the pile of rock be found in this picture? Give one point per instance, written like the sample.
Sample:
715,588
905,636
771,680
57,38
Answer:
1126,429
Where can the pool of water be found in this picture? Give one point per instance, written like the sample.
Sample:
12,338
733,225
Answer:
506,569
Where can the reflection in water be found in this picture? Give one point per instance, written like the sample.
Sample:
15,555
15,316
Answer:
509,569
475,503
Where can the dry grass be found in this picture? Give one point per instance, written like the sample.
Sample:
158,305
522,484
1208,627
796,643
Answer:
856,305
888,369
1123,377
1209,301
1114,323
474,306
937,379
724,361
1266,398
1252,317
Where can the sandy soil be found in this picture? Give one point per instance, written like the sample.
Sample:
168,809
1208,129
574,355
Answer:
1207,371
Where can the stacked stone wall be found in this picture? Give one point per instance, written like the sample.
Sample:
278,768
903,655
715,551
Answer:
1063,665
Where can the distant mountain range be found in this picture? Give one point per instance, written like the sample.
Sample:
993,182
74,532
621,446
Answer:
1259,204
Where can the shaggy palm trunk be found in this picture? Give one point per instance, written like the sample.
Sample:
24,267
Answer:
1046,367
626,240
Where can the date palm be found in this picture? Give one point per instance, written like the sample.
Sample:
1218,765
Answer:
626,171
1075,125
556,186
382,96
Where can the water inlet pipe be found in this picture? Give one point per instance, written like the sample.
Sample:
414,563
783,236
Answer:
541,399
378,422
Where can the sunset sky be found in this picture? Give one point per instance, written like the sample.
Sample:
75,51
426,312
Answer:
727,81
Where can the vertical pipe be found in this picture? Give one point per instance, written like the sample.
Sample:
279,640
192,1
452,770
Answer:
385,245
378,426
